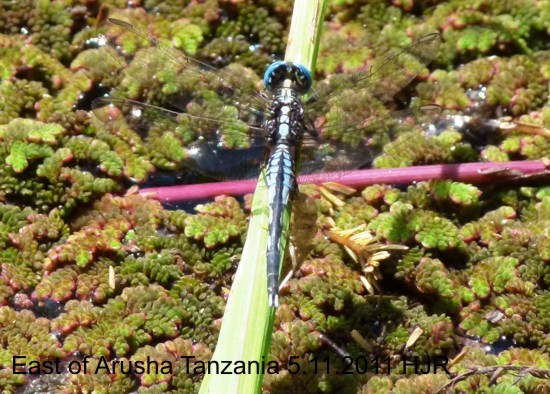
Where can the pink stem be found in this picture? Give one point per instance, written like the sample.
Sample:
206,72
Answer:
468,172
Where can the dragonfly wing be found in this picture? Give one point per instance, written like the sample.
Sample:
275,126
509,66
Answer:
384,78
222,148
350,122
152,68
336,147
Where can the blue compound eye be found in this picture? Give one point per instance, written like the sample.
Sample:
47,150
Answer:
277,72
304,77
273,75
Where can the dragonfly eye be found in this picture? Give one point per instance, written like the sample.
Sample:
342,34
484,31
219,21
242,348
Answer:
280,71
302,78
274,75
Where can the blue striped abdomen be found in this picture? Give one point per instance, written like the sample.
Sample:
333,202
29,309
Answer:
281,182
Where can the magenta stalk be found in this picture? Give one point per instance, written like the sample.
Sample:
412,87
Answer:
468,172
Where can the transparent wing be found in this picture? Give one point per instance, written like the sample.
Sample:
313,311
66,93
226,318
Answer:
341,150
157,73
385,77
350,120
222,148
216,130
213,124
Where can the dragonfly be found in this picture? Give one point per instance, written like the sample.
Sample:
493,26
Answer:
226,128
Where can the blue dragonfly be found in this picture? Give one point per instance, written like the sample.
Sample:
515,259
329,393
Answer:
228,129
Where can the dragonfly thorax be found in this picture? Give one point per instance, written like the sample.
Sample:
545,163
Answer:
286,122
286,95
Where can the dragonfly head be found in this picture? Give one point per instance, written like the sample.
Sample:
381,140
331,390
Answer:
279,72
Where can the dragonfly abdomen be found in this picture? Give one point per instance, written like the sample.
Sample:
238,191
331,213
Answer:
281,181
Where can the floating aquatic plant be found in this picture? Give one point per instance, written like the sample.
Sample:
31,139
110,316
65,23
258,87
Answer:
88,272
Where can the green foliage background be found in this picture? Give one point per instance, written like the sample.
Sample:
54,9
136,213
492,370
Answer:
476,276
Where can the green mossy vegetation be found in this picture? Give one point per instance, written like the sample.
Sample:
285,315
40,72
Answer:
88,268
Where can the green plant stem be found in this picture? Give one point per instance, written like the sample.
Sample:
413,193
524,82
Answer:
248,320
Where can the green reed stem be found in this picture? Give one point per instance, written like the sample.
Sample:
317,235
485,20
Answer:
248,320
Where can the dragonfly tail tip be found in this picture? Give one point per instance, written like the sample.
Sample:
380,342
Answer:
273,300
